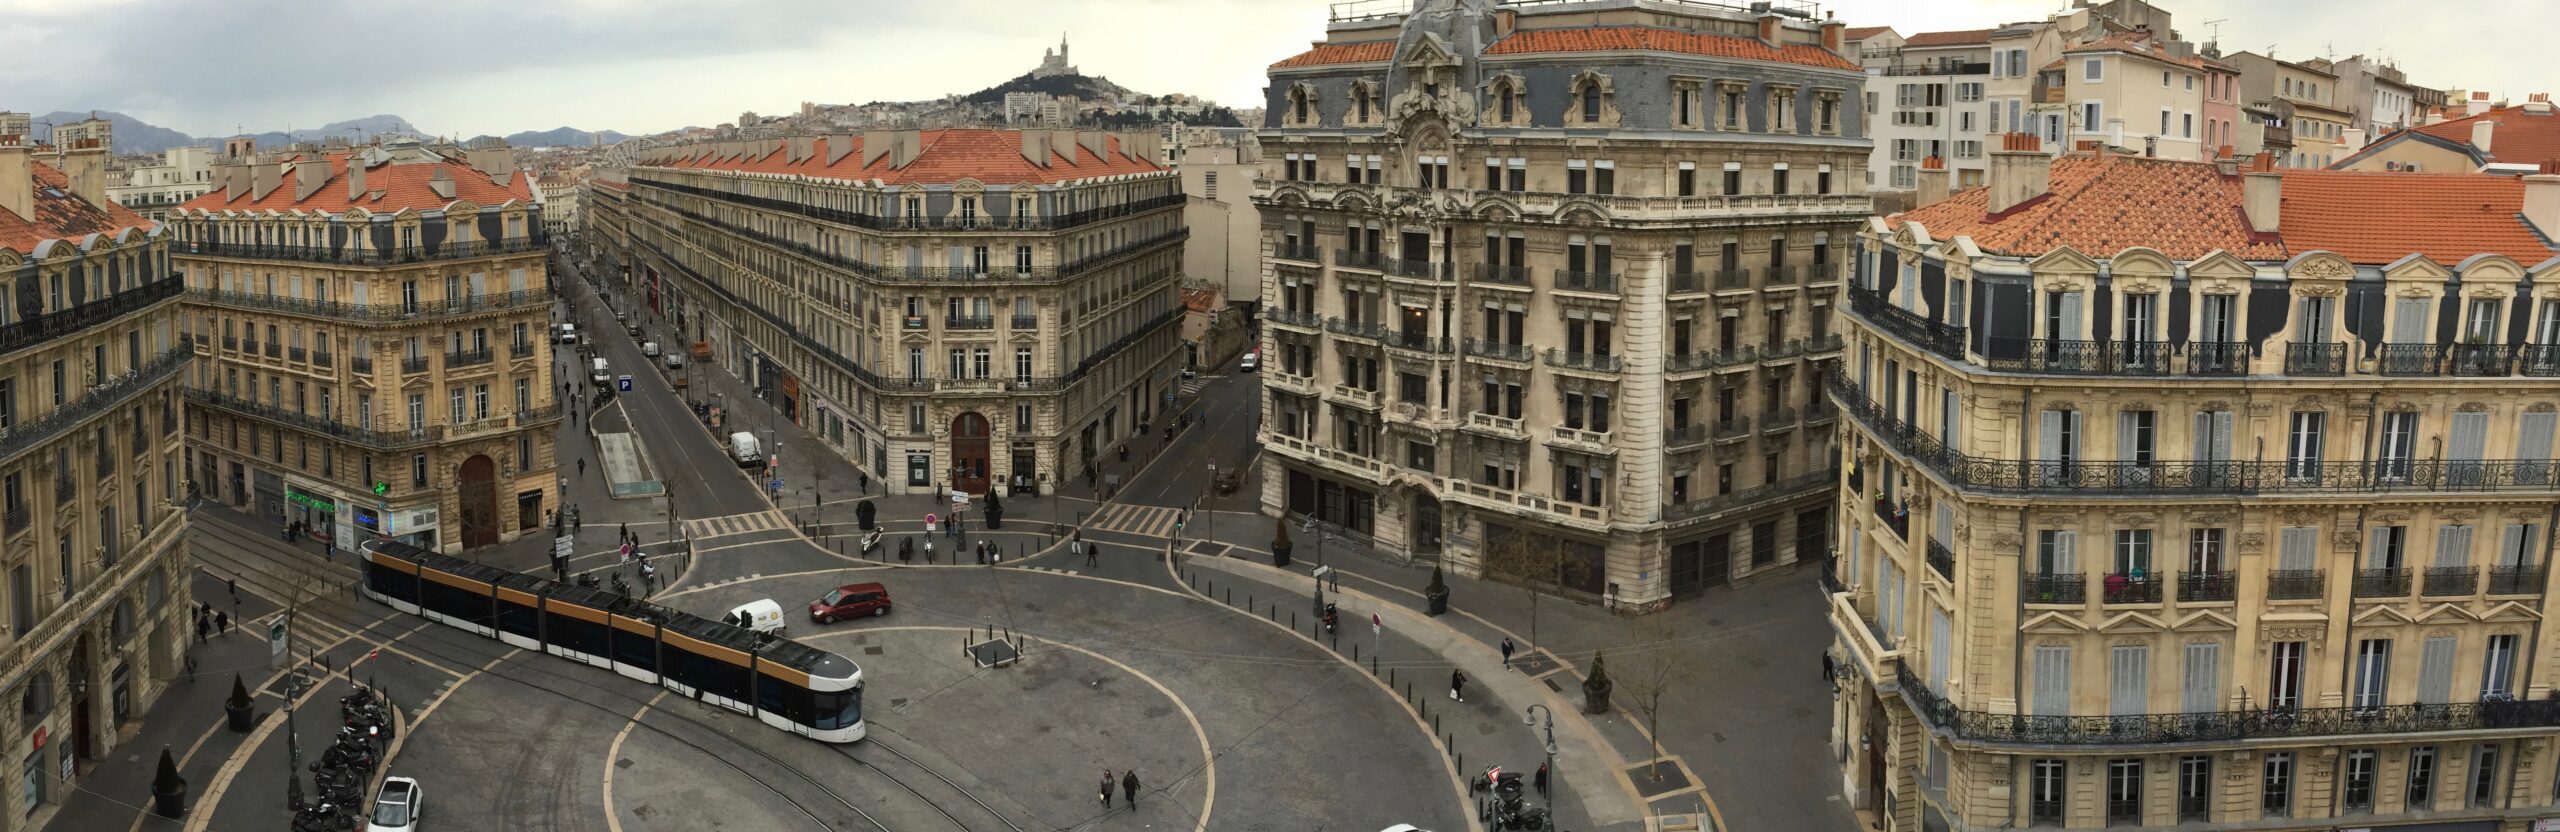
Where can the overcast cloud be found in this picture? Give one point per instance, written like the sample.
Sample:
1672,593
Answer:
467,67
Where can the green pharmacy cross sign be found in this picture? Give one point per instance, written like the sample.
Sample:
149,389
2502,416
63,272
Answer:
380,488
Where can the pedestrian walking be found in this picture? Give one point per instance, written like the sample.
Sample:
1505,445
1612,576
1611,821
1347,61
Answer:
1542,780
233,584
626,532
1506,652
1106,788
1129,788
582,467
1458,684
1092,556
204,626
222,622
982,552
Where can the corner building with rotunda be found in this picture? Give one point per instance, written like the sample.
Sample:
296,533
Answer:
1561,275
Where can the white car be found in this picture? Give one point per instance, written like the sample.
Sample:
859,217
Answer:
1252,361
398,807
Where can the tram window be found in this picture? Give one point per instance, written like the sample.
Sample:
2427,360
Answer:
836,709
460,603
392,583
578,636
518,619
639,650
783,699
712,676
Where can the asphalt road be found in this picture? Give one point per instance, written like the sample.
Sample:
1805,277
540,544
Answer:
702,479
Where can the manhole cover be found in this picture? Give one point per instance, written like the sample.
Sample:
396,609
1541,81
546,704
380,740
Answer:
899,702
622,763
874,650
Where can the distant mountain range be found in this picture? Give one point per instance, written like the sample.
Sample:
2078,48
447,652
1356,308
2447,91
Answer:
133,135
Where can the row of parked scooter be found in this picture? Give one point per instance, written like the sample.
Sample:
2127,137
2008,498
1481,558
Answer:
346,766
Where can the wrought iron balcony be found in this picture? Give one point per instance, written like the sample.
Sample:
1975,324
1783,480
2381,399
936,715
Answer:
1684,283
1301,252
275,350
1782,350
230,343
1586,361
2382,583
19,518
319,423
249,347
2451,580
520,349
414,364
1497,273
2130,588
2539,360
2516,580
2217,358
2054,588
1574,281
2315,359
1293,317
1344,258
2406,360
2250,722
1418,341
1735,429
467,358
1778,276
2038,355
1944,339
352,255
100,398
297,355
1370,330
1417,269
1778,419
2297,584
969,322
1822,344
1896,516
1684,436
2479,360
1942,559
362,364
324,358
1497,349
2208,586
1026,322
373,313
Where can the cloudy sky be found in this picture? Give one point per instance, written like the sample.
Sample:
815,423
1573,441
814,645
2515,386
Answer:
468,67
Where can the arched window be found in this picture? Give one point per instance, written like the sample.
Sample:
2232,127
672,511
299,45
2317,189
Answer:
1591,103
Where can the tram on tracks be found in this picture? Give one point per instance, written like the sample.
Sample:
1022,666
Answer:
788,685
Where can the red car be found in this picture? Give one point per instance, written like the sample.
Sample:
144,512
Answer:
850,601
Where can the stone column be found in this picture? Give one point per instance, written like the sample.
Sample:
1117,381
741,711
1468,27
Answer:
1636,562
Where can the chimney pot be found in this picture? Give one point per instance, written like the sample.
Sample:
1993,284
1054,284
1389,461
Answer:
2020,171
2482,131
1769,28
2542,201
17,178
2262,199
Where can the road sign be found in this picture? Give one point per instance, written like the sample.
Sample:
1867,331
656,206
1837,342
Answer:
623,384
560,546
275,641
776,484
959,500
1376,627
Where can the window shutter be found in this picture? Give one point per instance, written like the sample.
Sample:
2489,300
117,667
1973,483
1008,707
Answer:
2298,549
2129,681
2533,447
2453,546
2070,316
2053,680
2203,689
2470,436
1942,657
2049,436
2435,671
2409,322
1946,523
2376,547
2124,436
2513,544
2066,554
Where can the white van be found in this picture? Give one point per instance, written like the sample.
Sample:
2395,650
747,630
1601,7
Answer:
649,348
601,374
744,448
763,616
566,334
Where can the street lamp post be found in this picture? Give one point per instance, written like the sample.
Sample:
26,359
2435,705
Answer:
1532,720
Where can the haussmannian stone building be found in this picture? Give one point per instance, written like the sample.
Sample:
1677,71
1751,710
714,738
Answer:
91,489
373,321
2303,421
1561,273
963,308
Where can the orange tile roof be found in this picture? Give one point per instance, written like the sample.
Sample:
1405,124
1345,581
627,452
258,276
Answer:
993,157
2381,217
2520,137
2137,43
1616,38
619,186
1341,53
2103,205
1960,37
59,215
1863,32
403,185
2100,206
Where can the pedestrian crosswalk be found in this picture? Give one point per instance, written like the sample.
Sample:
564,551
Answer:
1152,521
1192,386
754,521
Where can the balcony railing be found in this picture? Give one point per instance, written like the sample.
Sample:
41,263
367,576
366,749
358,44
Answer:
1370,330
1733,278
1417,269
1574,281
2054,588
297,355
414,365
1496,349
1775,276
466,358
1777,419
319,423
520,349
324,358
2538,360
2451,580
1298,251
1895,516
2217,358
351,255
2235,478
2297,584
362,312
969,322
1417,341
2382,583
1344,258
2037,355
893,222
1026,322
1944,339
100,398
1496,273
2207,586
2516,580
274,350
1685,435
1683,283
2131,588
2315,359
1942,559
362,364
1733,430
2222,726
1586,361
1293,317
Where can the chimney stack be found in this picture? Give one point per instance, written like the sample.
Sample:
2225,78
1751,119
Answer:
2020,171
2477,104
355,177
2538,103
1933,181
1835,37
2542,200
2262,198
84,162
17,178
1769,28
2481,132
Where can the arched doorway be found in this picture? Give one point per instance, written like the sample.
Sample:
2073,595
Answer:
479,496
969,441
1426,524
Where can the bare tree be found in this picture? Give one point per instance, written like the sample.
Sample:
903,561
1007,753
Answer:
1649,668
1538,564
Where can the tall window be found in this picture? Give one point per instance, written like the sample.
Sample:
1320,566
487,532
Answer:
2195,788
2420,793
2124,791
2275,783
2372,672
2045,794
2284,675
2484,775
2358,791
2302,445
